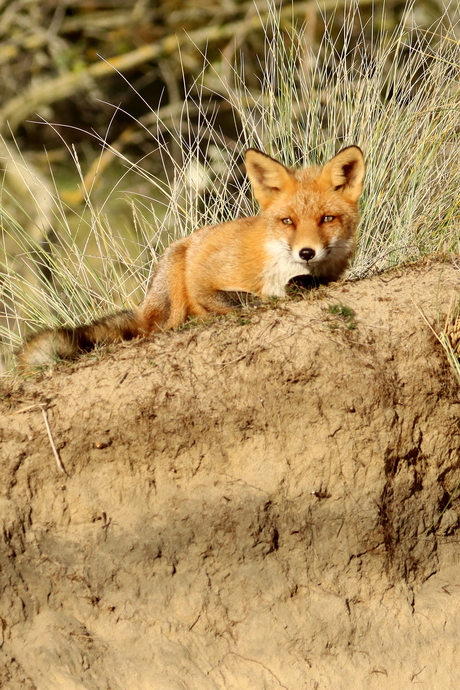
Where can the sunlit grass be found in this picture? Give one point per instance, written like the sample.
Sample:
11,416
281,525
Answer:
397,97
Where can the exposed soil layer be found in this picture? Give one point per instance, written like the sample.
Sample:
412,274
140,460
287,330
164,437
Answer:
266,501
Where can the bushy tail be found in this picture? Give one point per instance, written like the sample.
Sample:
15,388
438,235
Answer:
50,346
165,306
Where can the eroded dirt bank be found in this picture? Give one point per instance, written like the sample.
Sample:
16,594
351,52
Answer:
248,505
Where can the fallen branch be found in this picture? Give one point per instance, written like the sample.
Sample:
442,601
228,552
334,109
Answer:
16,110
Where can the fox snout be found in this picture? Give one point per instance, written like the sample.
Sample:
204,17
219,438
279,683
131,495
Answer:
311,247
307,253
310,254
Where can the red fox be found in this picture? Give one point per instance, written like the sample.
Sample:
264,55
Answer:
306,227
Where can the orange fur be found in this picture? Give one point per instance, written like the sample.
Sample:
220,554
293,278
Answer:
306,226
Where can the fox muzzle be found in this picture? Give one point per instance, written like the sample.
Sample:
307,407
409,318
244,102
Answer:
307,254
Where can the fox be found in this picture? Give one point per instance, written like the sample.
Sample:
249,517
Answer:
306,227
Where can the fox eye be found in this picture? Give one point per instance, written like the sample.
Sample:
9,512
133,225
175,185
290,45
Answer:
327,219
286,221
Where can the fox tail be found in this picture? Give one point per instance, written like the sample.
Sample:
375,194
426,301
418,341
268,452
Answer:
50,346
165,306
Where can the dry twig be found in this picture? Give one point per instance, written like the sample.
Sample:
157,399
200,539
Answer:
59,464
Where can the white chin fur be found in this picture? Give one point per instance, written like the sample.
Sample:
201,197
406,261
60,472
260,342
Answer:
285,263
281,267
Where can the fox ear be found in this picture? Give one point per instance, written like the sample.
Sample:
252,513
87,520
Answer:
345,172
267,176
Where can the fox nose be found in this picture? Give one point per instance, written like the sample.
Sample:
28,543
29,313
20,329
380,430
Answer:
306,253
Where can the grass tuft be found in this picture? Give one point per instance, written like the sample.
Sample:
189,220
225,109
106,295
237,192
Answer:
449,337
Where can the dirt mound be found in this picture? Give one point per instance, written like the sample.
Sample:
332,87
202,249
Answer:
247,504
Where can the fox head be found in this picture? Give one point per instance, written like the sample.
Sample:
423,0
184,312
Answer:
312,213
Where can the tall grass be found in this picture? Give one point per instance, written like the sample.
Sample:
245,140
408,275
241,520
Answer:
396,95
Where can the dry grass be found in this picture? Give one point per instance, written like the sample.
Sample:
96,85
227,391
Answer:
449,336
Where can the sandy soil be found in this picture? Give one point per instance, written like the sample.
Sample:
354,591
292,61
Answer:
256,503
